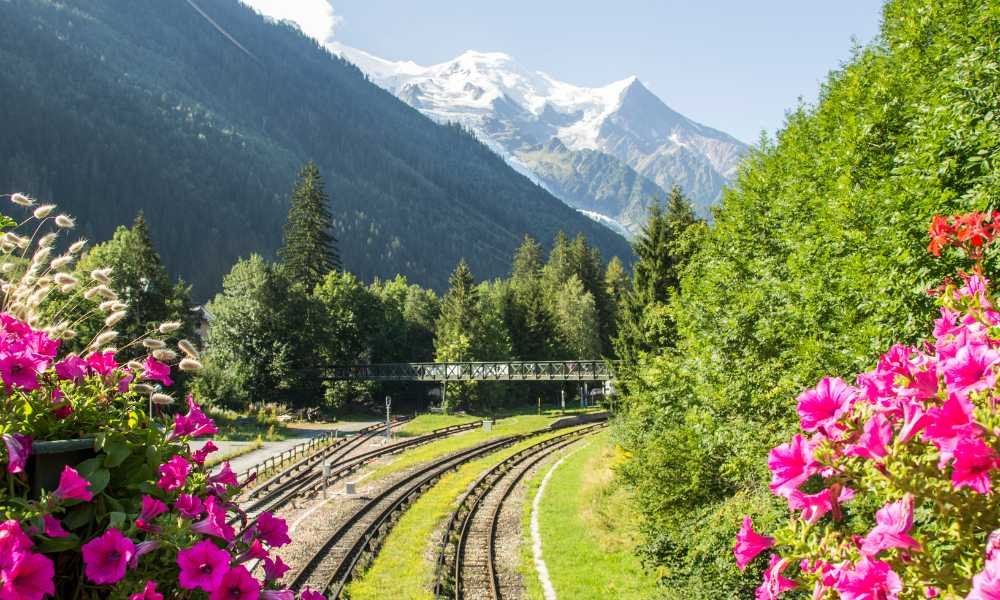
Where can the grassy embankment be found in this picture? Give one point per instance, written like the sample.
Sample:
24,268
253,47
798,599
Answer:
404,568
588,531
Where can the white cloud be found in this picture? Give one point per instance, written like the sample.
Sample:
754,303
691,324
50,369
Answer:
315,18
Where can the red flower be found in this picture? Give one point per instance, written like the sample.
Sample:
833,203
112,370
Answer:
971,228
941,233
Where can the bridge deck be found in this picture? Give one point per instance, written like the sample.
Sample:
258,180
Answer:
569,370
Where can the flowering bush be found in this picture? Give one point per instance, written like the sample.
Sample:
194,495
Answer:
139,516
891,479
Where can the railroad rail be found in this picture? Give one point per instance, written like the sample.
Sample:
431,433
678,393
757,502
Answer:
334,563
486,498
510,370
282,487
306,482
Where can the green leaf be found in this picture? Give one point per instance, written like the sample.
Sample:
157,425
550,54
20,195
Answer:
55,545
79,516
117,452
89,467
116,519
98,480
113,504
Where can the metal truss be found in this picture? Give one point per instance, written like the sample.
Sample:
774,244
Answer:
553,370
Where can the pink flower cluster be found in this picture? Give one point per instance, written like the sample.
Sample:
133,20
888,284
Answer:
936,400
187,511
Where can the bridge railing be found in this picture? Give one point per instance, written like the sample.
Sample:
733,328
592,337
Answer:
552,370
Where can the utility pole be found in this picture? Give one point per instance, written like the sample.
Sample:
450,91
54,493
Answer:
388,422
562,400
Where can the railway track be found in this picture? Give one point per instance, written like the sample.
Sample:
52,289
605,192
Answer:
357,541
311,474
466,564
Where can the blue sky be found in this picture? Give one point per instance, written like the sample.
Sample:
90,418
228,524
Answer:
734,65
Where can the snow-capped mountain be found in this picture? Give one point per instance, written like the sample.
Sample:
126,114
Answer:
608,151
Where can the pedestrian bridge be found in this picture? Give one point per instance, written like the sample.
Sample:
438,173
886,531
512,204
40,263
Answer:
509,370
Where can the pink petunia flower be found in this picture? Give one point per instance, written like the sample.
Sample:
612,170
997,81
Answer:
893,524
148,593
200,456
173,473
202,566
156,371
277,595
875,438
20,370
151,508
72,368
986,583
309,594
869,579
141,549
189,506
214,523
61,407
256,551
815,506
105,558
225,476
775,583
18,451
273,530
274,569
12,539
820,408
103,363
195,423
237,584
53,527
27,576
947,423
915,419
974,460
791,465
749,544
971,370
124,383
72,486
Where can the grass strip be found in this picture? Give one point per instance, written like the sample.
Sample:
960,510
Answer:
428,422
589,531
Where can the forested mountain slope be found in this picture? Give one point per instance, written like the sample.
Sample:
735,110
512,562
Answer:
201,121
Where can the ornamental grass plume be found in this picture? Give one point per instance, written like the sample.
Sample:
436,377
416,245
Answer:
890,483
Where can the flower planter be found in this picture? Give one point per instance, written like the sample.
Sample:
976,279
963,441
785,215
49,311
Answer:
48,459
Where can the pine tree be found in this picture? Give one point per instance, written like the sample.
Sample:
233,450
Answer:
459,316
663,249
310,248
455,331
532,330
